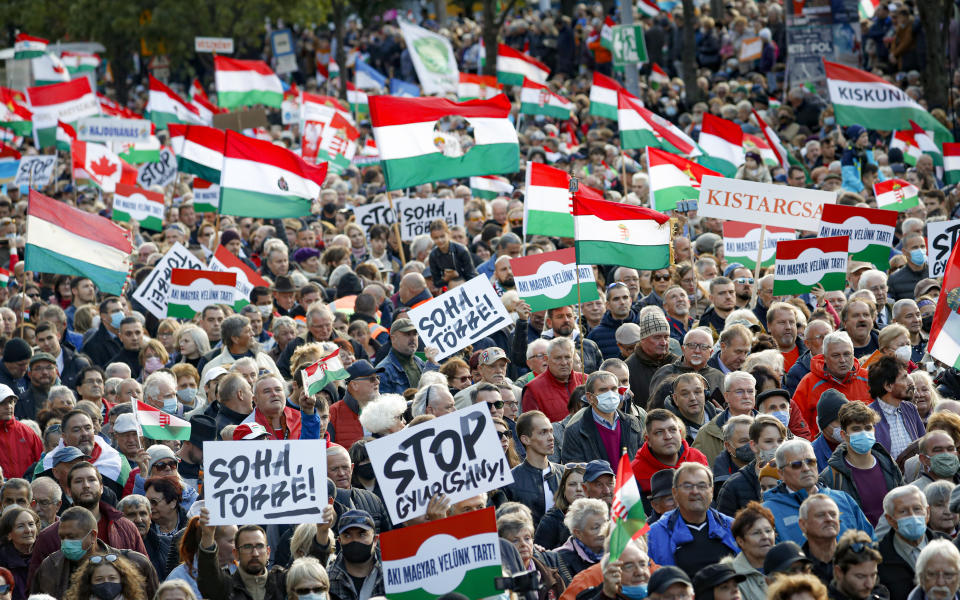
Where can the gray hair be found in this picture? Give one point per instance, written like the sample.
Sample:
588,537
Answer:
425,394
198,335
50,484
286,321
768,358
232,327
868,275
805,505
691,466
593,378
938,492
735,376
61,390
558,342
583,508
731,425
244,362
151,387
899,305
794,446
421,243
304,569
941,548
317,308
535,344
900,492
380,414
506,239
613,362
135,500
836,337
170,584
432,377
700,330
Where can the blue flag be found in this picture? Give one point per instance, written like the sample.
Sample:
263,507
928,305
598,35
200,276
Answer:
368,78
399,87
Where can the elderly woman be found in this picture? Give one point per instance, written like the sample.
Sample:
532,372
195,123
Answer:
188,384
754,530
894,340
384,415
307,580
284,329
925,394
550,531
517,528
164,494
18,531
942,519
587,520
107,577
192,344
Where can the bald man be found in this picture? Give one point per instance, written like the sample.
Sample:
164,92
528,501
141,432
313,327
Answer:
503,275
412,291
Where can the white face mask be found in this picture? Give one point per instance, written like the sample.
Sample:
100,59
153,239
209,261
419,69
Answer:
904,353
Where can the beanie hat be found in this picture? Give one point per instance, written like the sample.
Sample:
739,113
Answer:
828,407
228,236
853,132
652,321
15,350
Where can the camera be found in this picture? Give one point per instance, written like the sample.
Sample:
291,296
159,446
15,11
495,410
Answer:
521,583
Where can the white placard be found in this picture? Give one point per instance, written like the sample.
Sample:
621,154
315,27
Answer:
375,213
162,173
762,203
463,315
941,240
265,482
213,44
416,214
113,129
153,292
458,455
35,171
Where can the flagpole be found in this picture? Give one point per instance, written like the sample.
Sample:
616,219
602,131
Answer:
573,186
623,169
756,269
396,226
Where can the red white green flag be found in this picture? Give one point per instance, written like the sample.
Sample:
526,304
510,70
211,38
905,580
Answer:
537,99
620,234
199,149
673,178
477,87
164,106
224,261
192,290
68,102
926,144
944,343
28,46
323,372
741,242
780,153
246,83
131,203
603,96
5,277
896,194
626,513
903,141
722,143
658,77
549,280
513,66
870,231
802,264
547,204
951,163
157,425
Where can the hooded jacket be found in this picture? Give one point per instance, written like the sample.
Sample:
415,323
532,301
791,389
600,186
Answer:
604,334
853,385
839,476
645,464
785,506
754,587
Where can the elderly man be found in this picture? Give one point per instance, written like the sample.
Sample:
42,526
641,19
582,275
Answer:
740,396
782,325
857,320
283,422
938,459
588,432
238,342
510,245
892,388
20,446
434,399
562,322
160,391
536,361
363,385
876,282
631,278
340,467
903,281
797,467
835,369
235,400
813,335
735,343
676,304
492,365
618,312
47,500
906,313
401,368
820,523
550,391
905,509
693,535
79,432
650,354
319,329
624,577
937,568
697,345
688,401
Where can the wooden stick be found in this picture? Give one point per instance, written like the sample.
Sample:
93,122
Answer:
756,269
396,229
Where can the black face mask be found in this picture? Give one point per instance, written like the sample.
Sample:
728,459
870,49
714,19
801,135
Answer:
744,453
364,471
926,323
518,231
107,591
357,552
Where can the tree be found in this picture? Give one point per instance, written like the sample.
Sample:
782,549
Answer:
690,53
935,16
492,24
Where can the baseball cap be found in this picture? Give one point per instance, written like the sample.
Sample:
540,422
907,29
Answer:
664,577
360,369
355,518
39,356
212,374
596,468
6,392
711,576
628,333
402,325
858,265
783,556
250,431
125,423
488,356
67,454
923,287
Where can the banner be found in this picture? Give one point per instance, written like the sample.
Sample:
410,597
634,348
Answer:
549,280
432,57
457,455
870,231
36,171
162,172
247,278
416,214
762,203
458,554
802,264
192,290
206,196
741,242
131,203
265,482
460,317
113,129
153,291
941,240
751,49
376,213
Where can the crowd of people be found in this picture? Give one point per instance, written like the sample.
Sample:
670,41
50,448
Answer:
784,448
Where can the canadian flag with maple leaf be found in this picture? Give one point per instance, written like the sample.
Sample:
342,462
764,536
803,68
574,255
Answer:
97,163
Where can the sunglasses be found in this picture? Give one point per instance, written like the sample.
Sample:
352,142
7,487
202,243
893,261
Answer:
616,284
661,278
859,547
503,434
165,466
497,404
798,464
110,558
312,590
744,280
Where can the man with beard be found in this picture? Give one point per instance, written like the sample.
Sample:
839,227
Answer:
41,375
562,322
857,322
503,276
20,447
78,431
742,285
401,368
676,304
136,508
536,479
723,300
899,423
651,353
782,325
69,365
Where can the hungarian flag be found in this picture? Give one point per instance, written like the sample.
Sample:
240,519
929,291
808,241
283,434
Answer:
48,68
861,98
626,513
477,87
27,46
164,106
157,425
10,136
926,144
773,103
489,187
610,233
951,163
944,342
905,142
99,164
641,127
262,180
773,141
316,107
323,372
246,83
10,153
752,143
648,7
80,62
606,33
673,179
68,102
549,280
247,278
358,99
131,203
206,196
413,150
192,290
113,109
537,99
5,277
205,109
896,194
722,144
801,264
337,144
741,243
141,152
870,231
14,114
201,150
547,205
658,77
603,96
513,67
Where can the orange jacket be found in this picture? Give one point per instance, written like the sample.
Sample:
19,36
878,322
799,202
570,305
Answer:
854,386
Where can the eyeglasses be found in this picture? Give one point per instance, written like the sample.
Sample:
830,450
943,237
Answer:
744,280
798,464
260,548
92,382
497,404
165,466
700,347
43,502
503,435
574,465
661,278
310,590
462,378
516,223
110,558
616,284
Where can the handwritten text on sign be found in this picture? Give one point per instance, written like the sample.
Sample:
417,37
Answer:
153,291
416,214
941,239
35,171
460,317
162,172
457,455
762,203
264,482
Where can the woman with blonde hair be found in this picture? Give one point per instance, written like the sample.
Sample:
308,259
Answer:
167,335
192,343
152,357
174,589
307,580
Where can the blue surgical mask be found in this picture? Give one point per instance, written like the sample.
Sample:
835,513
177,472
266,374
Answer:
170,405
918,257
608,401
72,549
187,395
782,416
115,318
829,121
311,596
635,592
862,441
912,528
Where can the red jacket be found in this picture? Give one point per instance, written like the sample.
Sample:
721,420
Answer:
550,396
291,423
19,448
345,422
854,386
645,464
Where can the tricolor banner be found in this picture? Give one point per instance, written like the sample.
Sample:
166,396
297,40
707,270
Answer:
489,187
619,234
477,87
896,194
944,343
951,163
192,290
206,196
537,99
549,280
547,204
741,242
323,372
28,46
225,262
870,231
513,67
246,83
131,203
603,96
802,264
673,179
155,424
68,102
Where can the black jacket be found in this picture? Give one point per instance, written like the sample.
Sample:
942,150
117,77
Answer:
897,574
457,258
797,372
102,347
368,501
158,548
642,368
131,358
551,532
29,403
72,365
711,319
527,487
225,417
219,584
901,284
582,443
742,487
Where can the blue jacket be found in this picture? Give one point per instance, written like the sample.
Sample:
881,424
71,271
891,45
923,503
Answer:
785,506
670,532
821,449
394,380
604,333
850,169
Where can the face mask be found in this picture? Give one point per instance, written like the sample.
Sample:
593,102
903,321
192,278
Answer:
320,596
862,441
829,121
265,309
912,528
836,434
744,453
115,318
72,549
170,405
107,591
635,592
926,323
944,465
152,364
357,552
903,353
918,257
766,456
364,471
782,416
608,401
671,111
187,395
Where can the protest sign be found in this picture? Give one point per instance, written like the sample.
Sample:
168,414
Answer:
548,280
460,317
751,49
153,291
741,242
206,196
213,44
458,554
941,240
870,231
247,278
162,173
377,213
35,171
801,264
762,203
265,482
192,290
457,455
416,214
131,203
113,129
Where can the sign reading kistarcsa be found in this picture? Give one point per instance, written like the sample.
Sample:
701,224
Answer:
802,264
549,280
762,203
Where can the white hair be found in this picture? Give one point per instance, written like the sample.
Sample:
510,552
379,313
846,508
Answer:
425,394
836,337
379,415
866,276
731,425
152,384
735,376
771,358
941,548
794,446
432,377
537,343
583,508
900,492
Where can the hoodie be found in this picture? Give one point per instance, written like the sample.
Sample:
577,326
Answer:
645,464
853,385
